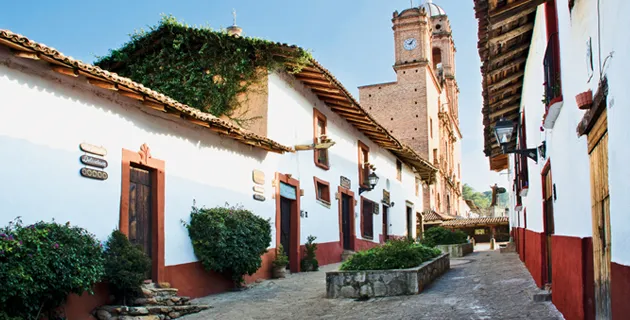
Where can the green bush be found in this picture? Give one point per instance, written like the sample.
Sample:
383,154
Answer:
438,235
309,262
395,254
126,267
42,263
230,240
281,257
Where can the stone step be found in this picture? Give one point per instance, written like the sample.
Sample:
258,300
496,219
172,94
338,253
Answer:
346,255
162,300
159,292
146,312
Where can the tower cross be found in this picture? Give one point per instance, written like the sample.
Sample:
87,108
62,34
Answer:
234,16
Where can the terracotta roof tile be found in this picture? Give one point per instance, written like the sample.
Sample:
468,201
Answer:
476,222
51,55
434,216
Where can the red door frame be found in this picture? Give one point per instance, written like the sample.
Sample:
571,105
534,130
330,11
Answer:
156,167
351,217
294,255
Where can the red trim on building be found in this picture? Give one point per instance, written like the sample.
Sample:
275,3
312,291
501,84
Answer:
327,253
619,290
144,159
573,285
294,254
360,244
353,235
534,255
521,246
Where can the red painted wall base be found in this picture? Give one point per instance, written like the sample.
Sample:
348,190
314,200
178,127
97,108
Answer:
572,276
534,243
360,244
619,290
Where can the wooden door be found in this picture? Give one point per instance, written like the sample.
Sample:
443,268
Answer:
385,222
345,221
140,210
548,216
600,212
285,225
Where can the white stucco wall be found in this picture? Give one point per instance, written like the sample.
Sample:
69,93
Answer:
291,122
568,153
41,158
614,38
45,116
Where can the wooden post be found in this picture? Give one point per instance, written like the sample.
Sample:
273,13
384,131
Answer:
492,240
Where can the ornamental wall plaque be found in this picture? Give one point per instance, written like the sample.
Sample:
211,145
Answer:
258,177
94,174
259,197
90,148
345,182
93,161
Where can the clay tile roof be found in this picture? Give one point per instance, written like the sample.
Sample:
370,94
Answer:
27,48
430,216
476,222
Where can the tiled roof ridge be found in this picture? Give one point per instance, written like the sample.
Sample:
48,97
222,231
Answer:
20,42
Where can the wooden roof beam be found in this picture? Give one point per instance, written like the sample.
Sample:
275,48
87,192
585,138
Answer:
503,91
505,110
348,110
503,38
506,81
513,9
333,96
496,23
509,54
504,101
325,90
325,83
512,64
310,74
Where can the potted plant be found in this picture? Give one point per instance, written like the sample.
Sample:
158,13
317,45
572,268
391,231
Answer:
584,99
280,263
309,262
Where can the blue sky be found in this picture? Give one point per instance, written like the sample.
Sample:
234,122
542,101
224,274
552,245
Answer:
351,38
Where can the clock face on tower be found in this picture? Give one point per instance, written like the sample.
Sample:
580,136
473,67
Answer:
410,44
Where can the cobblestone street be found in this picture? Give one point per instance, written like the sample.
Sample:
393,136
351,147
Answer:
483,285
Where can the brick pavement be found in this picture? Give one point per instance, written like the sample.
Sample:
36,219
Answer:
483,285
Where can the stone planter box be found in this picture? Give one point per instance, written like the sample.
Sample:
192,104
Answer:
384,283
456,250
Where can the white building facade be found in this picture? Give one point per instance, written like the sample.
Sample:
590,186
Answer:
52,105
569,220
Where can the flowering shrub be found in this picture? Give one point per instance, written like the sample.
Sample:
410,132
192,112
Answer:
230,240
126,267
438,235
394,254
42,263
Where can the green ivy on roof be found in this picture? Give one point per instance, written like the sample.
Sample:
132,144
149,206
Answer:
205,69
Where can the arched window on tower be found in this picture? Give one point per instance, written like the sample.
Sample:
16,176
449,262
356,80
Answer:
437,62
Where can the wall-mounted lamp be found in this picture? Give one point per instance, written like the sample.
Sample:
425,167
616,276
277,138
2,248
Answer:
503,131
372,181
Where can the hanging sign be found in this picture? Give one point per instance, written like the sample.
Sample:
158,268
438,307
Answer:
345,182
385,196
94,174
287,191
93,161
89,148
